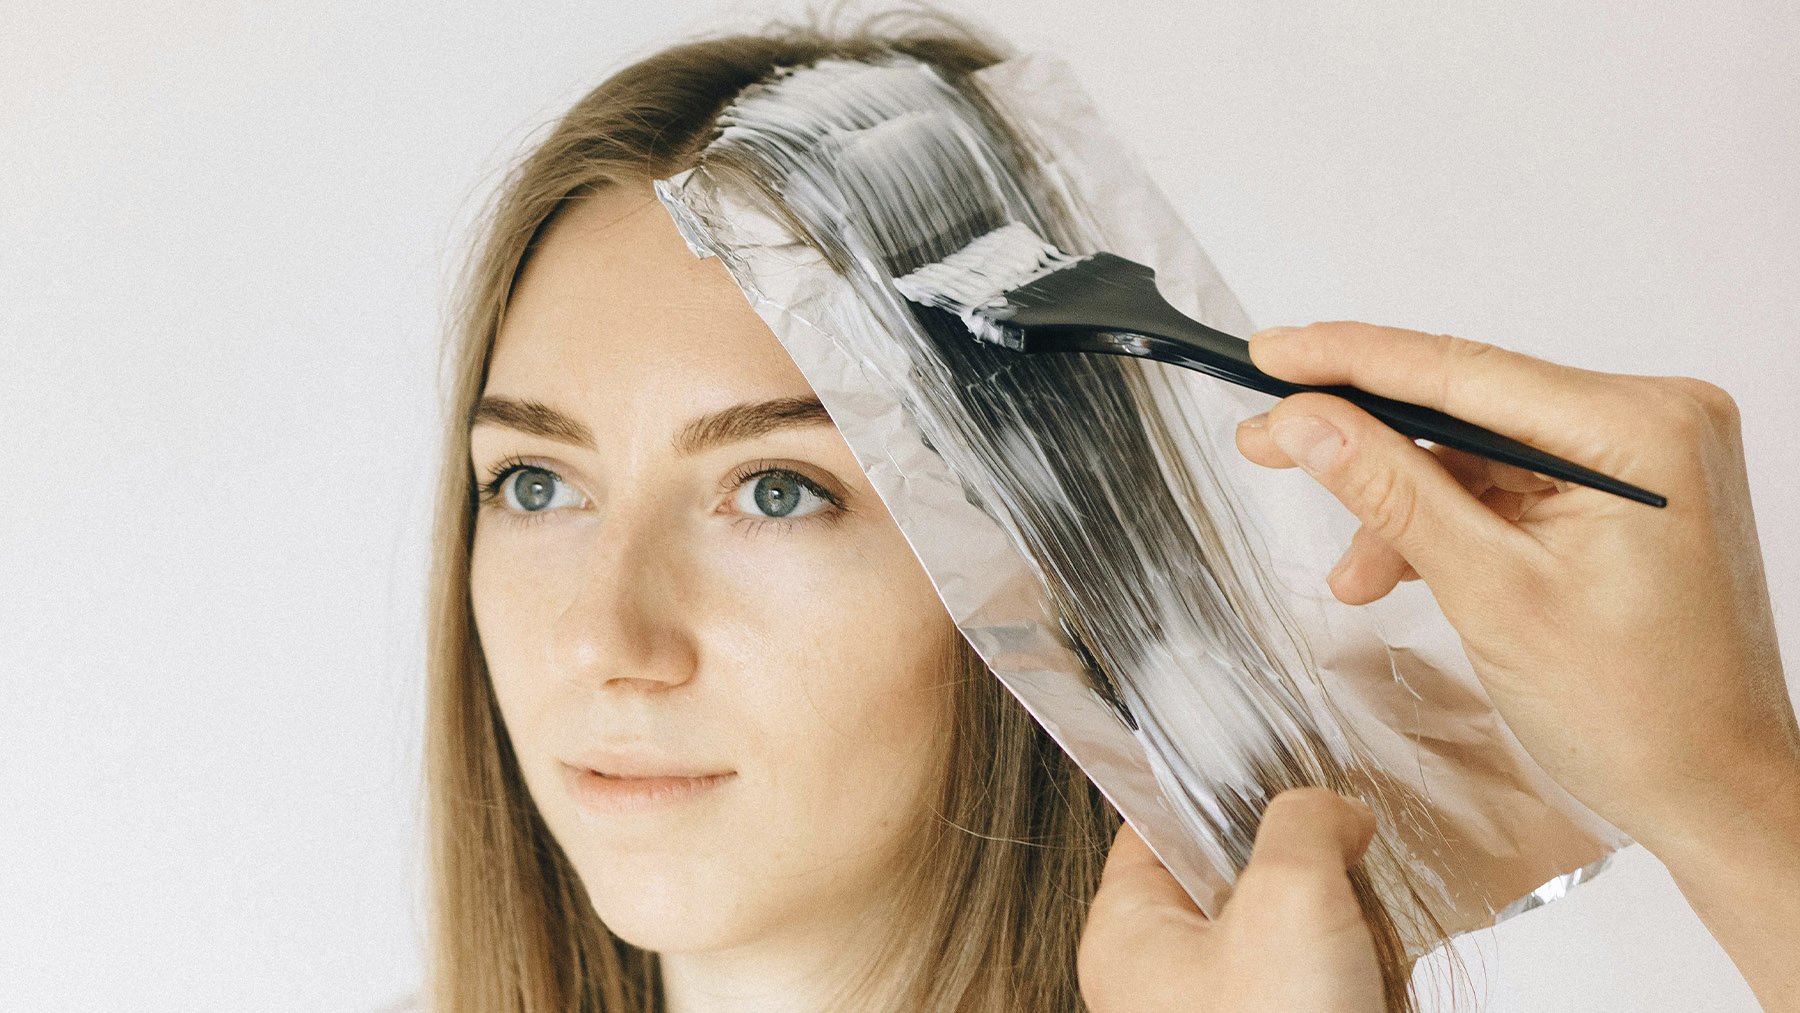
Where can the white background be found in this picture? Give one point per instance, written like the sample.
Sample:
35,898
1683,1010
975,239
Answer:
227,232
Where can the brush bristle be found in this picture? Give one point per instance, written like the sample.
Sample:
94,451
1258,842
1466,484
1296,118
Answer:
973,282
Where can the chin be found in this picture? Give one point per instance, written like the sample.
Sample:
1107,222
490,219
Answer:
654,920
669,905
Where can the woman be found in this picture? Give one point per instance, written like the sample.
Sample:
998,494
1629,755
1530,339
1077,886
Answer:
657,558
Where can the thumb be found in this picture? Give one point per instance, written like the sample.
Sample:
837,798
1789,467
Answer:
1297,874
1399,490
1313,827
1134,875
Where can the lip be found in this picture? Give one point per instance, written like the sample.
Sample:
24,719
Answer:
639,763
604,795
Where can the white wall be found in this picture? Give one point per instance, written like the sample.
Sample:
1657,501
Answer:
226,235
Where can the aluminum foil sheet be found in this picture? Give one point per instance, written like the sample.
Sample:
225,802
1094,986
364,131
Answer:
1456,796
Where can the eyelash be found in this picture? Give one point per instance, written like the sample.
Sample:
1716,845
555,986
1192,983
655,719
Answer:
488,493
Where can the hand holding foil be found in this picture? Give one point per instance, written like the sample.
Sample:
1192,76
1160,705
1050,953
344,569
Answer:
1147,947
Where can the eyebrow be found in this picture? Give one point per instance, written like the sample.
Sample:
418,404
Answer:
739,422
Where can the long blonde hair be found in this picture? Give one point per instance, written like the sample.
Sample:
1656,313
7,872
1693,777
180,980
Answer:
999,876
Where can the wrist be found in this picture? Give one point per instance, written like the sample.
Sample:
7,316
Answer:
1732,846
1742,878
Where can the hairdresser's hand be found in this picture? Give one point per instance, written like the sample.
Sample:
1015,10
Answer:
1631,649
1291,937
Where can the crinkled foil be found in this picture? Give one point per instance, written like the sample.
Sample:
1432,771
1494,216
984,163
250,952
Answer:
1492,833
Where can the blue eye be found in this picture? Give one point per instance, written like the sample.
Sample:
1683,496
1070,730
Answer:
527,491
778,494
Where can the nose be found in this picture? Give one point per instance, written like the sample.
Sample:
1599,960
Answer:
623,625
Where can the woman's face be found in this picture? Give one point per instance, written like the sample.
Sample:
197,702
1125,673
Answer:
699,597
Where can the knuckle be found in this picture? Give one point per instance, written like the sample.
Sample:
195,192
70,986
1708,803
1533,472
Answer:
1693,410
1460,358
1713,400
1387,503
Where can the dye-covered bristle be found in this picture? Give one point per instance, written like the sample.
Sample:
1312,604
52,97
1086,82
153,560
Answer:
887,148
972,282
923,185
920,184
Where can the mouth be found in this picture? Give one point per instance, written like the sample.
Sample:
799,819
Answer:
602,793
651,775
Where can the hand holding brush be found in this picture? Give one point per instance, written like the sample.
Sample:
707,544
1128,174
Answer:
1633,652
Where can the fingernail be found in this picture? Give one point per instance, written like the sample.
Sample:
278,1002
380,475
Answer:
1312,442
1255,421
1270,332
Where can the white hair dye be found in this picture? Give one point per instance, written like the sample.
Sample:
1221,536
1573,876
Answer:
972,282
1071,517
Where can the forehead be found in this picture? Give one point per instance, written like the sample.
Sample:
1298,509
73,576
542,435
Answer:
612,305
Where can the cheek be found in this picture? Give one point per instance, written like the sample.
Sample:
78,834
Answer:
488,592
510,598
849,627
850,692
493,594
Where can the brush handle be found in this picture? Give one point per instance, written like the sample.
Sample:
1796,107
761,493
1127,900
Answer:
1180,340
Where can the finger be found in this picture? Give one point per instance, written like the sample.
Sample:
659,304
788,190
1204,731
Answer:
1296,880
1313,828
1254,443
1479,474
1368,569
1560,409
1506,489
1469,470
1400,491
1134,876
1476,473
1508,504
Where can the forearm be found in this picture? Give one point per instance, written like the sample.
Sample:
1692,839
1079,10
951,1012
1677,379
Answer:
1742,878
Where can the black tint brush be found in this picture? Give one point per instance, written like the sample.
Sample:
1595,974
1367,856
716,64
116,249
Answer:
1013,289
